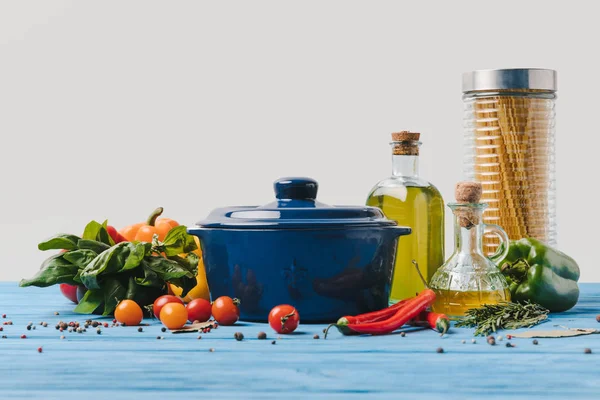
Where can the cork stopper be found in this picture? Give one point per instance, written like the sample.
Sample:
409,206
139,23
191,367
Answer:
406,143
468,193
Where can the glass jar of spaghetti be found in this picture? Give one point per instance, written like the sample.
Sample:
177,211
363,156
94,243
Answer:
509,148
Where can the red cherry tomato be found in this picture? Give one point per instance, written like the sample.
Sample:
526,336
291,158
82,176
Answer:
161,301
173,315
199,310
284,319
225,310
69,291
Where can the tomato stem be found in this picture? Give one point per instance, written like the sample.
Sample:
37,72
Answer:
284,320
155,214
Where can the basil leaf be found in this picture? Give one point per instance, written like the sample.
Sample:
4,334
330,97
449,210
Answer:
167,269
178,241
189,262
80,258
97,231
114,292
150,278
54,270
121,257
62,241
132,289
90,302
93,245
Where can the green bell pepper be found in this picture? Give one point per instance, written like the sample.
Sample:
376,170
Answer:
539,273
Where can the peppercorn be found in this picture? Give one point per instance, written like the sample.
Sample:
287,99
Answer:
402,334
158,337
316,336
211,350
3,315
273,342
105,325
535,341
94,324
70,329
114,321
86,326
57,326
587,350
463,341
39,350
63,325
199,337
23,336
262,335
239,336
491,341
99,331
4,336
598,318
123,324
56,313
1,329
509,337
439,350
45,324
28,327
140,329
62,337
79,330
509,344
500,338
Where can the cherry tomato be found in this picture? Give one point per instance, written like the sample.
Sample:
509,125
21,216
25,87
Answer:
173,315
284,319
69,291
161,301
199,310
128,312
225,310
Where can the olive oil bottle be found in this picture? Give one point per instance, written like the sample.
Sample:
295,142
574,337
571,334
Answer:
416,203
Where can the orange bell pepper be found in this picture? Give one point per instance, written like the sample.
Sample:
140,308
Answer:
144,231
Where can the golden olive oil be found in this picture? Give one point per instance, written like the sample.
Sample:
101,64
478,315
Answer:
455,303
422,209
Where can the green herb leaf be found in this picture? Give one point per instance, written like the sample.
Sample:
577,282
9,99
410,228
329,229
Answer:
97,231
114,292
80,258
121,257
150,278
54,270
189,262
62,241
93,245
491,317
178,241
90,302
132,289
167,269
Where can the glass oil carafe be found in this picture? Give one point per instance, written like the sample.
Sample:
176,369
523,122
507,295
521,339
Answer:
411,201
469,279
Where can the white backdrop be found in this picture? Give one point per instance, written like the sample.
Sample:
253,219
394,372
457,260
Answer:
110,109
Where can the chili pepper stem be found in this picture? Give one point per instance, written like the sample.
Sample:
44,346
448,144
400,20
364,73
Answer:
155,214
416,264
327,330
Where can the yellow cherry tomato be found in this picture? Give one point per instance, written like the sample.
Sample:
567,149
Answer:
173,315
128,312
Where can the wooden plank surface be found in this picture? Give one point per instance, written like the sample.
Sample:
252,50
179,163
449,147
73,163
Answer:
123,363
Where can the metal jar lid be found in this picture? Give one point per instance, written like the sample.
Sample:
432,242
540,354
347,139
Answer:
506,79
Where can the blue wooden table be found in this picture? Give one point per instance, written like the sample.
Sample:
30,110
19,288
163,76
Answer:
123,363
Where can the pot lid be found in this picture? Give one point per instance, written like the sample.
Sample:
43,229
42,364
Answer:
295,207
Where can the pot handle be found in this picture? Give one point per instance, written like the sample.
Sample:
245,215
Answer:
401,230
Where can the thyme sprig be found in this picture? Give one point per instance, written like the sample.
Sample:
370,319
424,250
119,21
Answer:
491,317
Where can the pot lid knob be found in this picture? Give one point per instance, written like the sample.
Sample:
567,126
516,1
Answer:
296,188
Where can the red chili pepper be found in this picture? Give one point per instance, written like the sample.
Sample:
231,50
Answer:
435,321
411,309
379,315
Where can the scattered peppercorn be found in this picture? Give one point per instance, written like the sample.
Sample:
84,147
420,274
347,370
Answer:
273,342
62,337
473,341
1,329
23,336
70,329
158,337
45,324
105,325
199,337
99,331
123,324
63,325
491,341
535,341
598,318
140,329
57,326
114,321
509,337
500,338
79,330
4,336
587,350
39,350
316,336
33,327
402,334
56,313
463,341
86,326
28,327
509,344
439,350
94,324
3,315
163,329
211,350
239,336
262,335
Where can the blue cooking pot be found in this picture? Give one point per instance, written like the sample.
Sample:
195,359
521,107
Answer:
326,261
